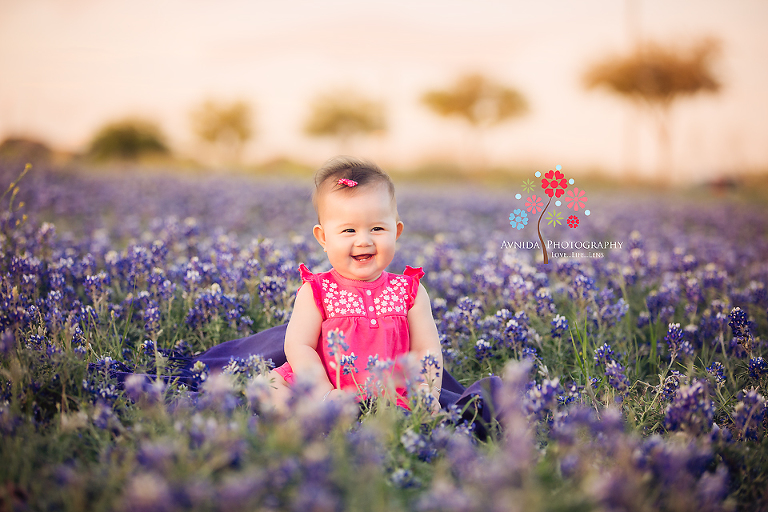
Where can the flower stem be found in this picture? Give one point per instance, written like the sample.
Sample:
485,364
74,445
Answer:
538,227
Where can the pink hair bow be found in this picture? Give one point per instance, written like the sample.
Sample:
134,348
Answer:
349,183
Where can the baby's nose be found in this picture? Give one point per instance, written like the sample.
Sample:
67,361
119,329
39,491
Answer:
363,239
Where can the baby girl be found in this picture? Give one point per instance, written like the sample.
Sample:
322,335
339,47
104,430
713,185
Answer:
382,315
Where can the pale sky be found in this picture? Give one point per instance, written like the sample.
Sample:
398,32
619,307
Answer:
68,66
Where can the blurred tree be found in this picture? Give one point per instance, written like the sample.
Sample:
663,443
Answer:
479,101
20,150
653,77
344,114
128,139
226,127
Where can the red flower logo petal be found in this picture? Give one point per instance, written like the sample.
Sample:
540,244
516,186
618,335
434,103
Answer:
558,192
559,175
549,175
550,192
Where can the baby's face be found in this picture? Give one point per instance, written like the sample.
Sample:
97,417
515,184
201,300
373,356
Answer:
358,230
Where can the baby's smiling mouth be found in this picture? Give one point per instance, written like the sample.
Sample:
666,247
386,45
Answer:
362,257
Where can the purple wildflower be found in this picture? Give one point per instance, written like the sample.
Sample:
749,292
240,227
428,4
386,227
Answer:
670,385
559,326
543,397
348,364
748,414
104,418
691,409
737,320
739,323
7,342
418,444
482,349
544,303
336,342
674,339
529,353
616,377
403,478
139,387
148,347
757,367
718,370
604,355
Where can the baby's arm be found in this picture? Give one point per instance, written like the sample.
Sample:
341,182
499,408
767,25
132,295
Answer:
301,338
424,338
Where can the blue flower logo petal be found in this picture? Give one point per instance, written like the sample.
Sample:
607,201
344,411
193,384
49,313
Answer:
518,218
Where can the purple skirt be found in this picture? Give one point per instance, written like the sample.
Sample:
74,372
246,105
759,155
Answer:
269,344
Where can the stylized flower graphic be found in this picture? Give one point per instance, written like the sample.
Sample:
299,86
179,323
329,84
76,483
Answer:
518,219
575,199
554,218
534,204
554,183
528,185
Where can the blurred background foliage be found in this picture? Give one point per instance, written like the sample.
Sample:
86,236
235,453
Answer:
654,77
345,114
477,100
480,102
261,85
18,151
651,78
127,139
224,127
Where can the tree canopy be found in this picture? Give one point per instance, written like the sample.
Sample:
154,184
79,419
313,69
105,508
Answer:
657,74
478,100
343,114
127,139
221,123
654,76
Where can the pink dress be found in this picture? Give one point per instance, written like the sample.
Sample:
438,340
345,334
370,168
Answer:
372,315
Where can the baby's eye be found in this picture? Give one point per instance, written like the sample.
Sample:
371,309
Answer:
348,230
378,228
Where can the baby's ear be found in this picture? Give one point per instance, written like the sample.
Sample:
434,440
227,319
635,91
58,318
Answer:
400,226
319,233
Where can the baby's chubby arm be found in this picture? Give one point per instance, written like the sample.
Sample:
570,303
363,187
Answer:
301,337
424,338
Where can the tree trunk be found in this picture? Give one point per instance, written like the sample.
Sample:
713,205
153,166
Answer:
664,165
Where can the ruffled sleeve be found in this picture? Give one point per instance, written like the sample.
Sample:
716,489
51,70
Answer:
309,277
413,275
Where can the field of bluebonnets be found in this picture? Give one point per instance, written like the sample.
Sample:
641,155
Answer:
636,381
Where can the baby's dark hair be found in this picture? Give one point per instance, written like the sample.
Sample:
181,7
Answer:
345,167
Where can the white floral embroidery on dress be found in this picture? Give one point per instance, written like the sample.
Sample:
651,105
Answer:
340,301
393,298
